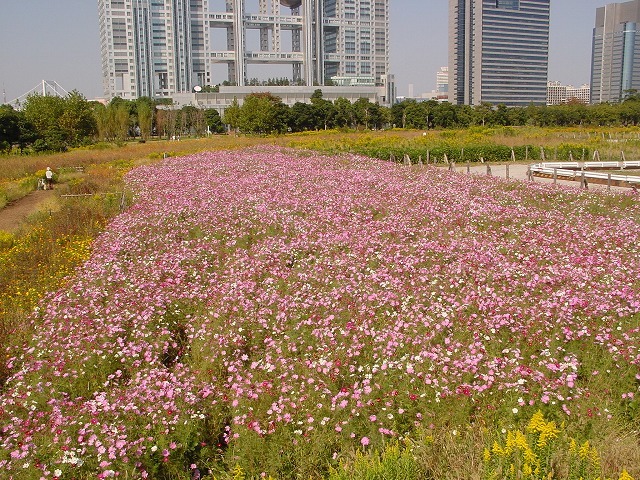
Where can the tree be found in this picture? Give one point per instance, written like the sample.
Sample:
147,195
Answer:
213,120
629,111
604,114
301,117
166,120
363,109
120,119
415,115
9,127
398,113
380,116
323,110
483,113
53,140
43,111
344,115
500,115
232,115
114,121
445,115
263,113
145,110
463,114
192,121
77,121
102,121
517,116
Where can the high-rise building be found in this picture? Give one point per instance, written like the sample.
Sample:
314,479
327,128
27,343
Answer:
558,94
498,51
615,59
442,83
160,47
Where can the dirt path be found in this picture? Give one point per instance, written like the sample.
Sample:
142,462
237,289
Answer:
13,215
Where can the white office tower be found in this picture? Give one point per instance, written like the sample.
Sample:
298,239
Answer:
159,47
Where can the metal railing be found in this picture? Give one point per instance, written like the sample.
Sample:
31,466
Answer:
584,172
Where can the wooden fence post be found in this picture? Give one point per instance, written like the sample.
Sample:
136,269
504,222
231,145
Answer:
583,181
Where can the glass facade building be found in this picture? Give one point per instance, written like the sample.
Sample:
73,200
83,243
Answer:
615,59
498,51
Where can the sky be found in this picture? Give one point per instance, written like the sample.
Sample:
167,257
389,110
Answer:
58,40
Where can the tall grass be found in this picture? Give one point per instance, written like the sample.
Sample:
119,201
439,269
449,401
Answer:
18,166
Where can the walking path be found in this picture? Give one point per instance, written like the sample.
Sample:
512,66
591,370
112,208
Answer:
16,213
520,172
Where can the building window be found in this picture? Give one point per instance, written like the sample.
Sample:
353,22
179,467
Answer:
508,4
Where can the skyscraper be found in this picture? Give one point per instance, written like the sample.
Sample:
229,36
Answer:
615,59
160,47
498,51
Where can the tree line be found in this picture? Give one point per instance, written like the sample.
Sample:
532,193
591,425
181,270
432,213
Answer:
55,124
48,123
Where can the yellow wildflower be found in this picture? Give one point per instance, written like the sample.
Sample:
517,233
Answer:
573,446
584,451
625,476
487,455
536,423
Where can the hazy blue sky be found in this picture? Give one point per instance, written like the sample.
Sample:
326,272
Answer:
58,40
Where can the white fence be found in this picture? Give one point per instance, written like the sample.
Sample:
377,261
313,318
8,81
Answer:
584,171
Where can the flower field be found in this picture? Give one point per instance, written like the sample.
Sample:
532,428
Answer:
273,310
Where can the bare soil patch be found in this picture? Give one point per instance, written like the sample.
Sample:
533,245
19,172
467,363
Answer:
16,213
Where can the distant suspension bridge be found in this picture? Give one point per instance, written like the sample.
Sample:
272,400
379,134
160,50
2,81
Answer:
44,88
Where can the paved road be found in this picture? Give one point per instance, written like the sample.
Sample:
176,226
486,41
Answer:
519,172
